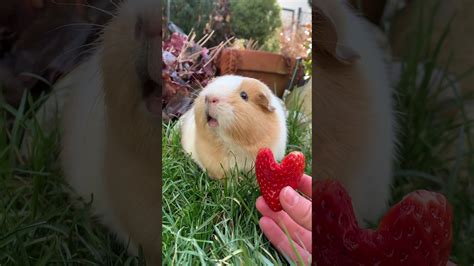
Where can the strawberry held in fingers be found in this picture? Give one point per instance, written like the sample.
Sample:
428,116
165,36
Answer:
416,231
273,177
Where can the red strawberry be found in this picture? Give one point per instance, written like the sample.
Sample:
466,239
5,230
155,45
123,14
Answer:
273,177
416,231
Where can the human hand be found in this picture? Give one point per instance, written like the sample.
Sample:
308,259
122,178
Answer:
295,217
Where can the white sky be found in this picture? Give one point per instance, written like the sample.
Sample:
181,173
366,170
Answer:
294,4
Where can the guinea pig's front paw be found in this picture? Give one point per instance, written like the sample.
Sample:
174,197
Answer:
215,173
215,176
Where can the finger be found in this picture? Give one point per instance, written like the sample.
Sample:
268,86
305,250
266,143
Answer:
299,234
306,185
297,207
450,264
280,241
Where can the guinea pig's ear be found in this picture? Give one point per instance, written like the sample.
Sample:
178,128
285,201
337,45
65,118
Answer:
264,101
327,39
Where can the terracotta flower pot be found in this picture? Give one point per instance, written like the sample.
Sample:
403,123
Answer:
275,70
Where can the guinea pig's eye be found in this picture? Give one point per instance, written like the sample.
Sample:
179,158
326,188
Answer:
244,95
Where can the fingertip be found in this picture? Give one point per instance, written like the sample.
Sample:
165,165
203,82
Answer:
288,197
260,204
297,207
306,185
284,191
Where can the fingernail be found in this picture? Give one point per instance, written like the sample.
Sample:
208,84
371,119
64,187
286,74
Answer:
290,196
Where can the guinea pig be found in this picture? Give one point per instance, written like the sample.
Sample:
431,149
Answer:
230,120
111,128
355,138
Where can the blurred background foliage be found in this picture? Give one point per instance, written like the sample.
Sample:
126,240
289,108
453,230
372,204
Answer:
243,19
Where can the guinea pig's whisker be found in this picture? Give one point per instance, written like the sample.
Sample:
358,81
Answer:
98,96
89,51
90,45
80,24
86,5
99,26
113,3
123,76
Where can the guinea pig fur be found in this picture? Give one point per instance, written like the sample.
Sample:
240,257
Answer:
354,134
231,119
111,128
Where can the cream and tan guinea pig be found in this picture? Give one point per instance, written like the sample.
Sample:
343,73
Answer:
231,119
354,115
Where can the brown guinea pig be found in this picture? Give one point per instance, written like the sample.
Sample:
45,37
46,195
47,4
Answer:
231,119
355,123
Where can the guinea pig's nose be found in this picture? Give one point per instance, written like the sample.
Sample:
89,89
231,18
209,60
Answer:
212,99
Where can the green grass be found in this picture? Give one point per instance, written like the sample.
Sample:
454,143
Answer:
215,222
38,223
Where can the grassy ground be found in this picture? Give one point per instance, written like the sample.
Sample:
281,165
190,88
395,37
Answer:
215,222
38,223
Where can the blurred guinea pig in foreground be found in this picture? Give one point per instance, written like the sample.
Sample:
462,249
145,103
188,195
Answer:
355,123
231,119
111,128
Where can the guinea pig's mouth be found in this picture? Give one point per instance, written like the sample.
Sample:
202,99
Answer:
211,121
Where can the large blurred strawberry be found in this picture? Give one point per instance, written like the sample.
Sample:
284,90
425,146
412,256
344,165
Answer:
273,177
416,231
